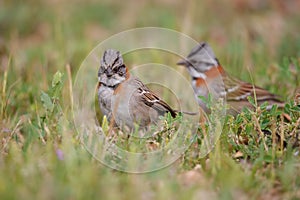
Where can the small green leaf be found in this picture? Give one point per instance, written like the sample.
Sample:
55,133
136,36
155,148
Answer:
264,105
248,129
57,78
207,100
264,124
287,108
268,158
251,100
239,119
105,124
295,108
47,102
57,85
169,118
273,110
203,98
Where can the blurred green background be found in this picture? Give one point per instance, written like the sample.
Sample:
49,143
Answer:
43,36
38,38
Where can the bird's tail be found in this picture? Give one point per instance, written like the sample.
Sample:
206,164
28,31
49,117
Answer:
186,112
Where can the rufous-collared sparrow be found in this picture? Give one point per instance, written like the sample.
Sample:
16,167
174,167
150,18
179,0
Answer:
208,75
123,98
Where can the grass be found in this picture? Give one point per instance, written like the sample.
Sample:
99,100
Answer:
42,44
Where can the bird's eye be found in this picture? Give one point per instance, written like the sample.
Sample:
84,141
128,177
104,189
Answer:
122,70
115,70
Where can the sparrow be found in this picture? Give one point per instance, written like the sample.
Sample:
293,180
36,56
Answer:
123,98
209,77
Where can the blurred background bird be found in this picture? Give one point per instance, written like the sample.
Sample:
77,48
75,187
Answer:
209,77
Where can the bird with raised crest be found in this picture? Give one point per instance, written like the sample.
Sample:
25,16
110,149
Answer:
209,77
123,98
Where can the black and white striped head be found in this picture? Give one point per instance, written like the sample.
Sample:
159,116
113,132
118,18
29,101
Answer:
112,70
201,59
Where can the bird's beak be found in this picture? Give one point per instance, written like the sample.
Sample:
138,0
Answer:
182,62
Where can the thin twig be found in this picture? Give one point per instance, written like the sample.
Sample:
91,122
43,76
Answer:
296,126
70,84
11,134
260,132
3,104
281,132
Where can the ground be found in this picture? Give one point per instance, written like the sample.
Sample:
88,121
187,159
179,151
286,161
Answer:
42,45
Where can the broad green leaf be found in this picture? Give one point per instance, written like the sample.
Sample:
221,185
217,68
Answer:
47,102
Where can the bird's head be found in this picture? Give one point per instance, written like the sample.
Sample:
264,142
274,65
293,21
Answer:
112,70
200,60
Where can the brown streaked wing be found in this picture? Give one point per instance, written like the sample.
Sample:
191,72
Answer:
152,100
237,90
